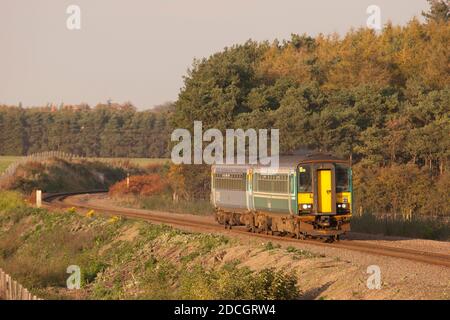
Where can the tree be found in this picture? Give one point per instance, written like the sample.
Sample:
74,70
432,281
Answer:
439,11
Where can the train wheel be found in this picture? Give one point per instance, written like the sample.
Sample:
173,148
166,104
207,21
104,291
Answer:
332,239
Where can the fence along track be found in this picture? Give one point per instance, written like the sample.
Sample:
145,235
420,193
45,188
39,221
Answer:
12,290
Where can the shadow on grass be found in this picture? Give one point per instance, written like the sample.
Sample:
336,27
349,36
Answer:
316,293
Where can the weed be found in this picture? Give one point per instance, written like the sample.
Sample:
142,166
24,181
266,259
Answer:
270,246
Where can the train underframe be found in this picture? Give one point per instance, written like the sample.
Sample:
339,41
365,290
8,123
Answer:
329,227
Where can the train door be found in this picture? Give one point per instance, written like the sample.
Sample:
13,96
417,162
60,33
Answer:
249,190
324,191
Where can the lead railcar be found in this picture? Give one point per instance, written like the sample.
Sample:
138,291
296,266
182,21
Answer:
306,196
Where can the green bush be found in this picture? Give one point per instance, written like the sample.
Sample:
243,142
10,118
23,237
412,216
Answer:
11,201
89,271
231,282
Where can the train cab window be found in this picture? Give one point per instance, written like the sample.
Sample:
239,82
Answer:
304,178
342,181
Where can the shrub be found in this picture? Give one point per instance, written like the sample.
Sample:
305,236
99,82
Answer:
11,201
91,269
190,182
144,185
400,189
231,282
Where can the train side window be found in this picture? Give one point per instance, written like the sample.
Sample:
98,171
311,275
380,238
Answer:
233,181
304,178
342,179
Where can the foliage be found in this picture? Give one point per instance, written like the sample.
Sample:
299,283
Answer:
231,282
439,11
417,227
144,185
107,130
379,99
400,190
11,201
189,182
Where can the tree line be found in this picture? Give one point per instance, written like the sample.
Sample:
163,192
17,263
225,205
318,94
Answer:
106,130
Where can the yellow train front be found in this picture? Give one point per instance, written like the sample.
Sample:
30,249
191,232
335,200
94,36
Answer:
306,196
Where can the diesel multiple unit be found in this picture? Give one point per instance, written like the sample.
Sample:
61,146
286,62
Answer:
306,196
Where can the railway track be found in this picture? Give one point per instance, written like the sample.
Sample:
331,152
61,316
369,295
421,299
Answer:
63,200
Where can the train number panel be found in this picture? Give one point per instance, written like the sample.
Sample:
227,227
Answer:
307,196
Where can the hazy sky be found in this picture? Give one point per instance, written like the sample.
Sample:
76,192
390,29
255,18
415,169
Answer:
138,50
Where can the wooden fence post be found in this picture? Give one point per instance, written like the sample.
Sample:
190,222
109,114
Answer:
12,290
2,283
9,290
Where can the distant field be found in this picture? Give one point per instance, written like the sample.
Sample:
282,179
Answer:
5,161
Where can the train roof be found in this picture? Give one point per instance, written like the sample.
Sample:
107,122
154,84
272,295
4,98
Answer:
288,161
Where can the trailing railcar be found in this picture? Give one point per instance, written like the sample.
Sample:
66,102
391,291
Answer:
306,196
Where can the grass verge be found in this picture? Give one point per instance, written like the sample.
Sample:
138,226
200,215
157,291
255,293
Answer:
123,259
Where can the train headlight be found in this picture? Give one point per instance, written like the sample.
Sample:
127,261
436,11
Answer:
305,206
343,207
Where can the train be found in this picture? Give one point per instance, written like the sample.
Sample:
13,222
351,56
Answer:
307,196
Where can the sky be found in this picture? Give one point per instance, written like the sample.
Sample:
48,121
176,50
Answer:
139,50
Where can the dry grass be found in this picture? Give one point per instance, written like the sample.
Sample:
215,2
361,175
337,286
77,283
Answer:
5,161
